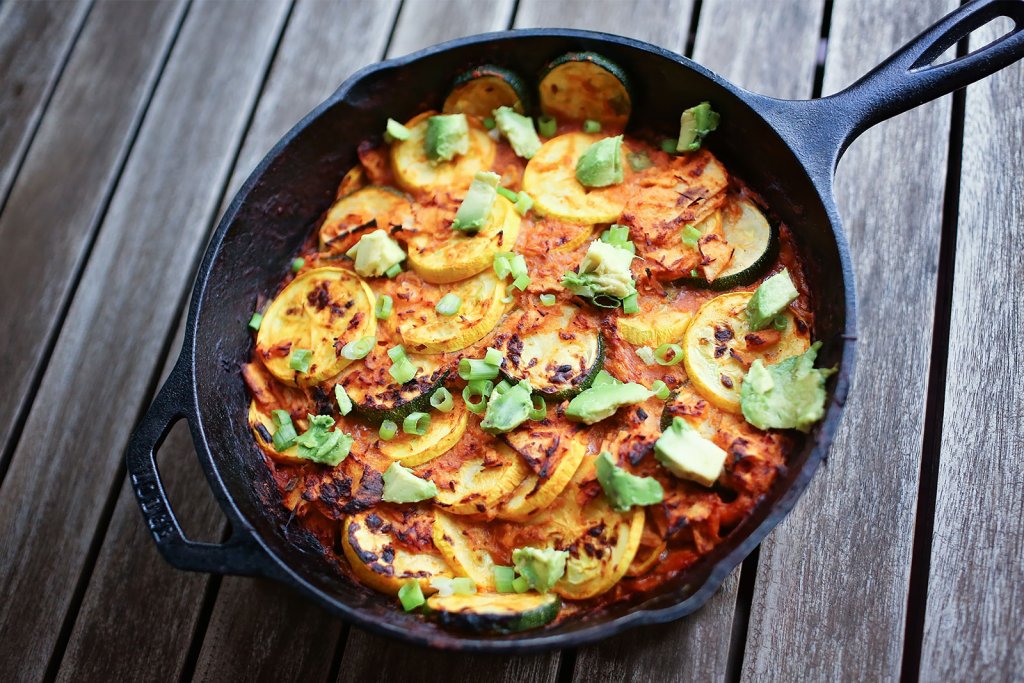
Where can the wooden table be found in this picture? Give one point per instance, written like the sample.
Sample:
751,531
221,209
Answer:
125,128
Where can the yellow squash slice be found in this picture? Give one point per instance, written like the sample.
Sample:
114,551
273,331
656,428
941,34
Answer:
320,311
661,325
386,548
555,456
424,330
416,173
464,549
550,178
442,255
341,227
265,437
471,480
445,431
718,347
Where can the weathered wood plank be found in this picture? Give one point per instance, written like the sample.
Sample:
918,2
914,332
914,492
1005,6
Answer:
58,197
35,38
830,599
662,22
422,23
325,40
739,40
51,506
975,615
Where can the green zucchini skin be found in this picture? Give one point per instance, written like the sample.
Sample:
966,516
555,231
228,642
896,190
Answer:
612,106
480,620
461,98
748,275
401,407
569,392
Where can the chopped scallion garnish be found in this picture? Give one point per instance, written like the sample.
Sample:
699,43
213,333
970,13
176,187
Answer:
344,402
442,400
387,430
396,131
547,125
284,436
508,194
475,390
501,387
489,123
547,299
402,370
300,360
591,126
358,348
393,270
449,304
638,161
462,585
255,321
690,236
503,579
523,204
694,273
646,354
540,408
630,304
502,264
416,423
494,357
383,308
668,354
518,264
411,595
297,264
471,369
669,145
660,390
520,584
780,323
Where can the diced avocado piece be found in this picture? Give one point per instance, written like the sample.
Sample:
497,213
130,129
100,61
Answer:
688,455
601,164
323,446
604,270
624,489
507,410
542,567
447,135
476,207
597,403
518,130
694,125
402,486
789,394
396,131
375,253
770,299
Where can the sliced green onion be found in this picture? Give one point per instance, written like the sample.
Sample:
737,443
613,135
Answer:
396,353
483,387
694,273
646,354
393,270
442,400
690,236
462,585
473,369
494,357
502,264
668,354
780,323
411,595
383,308
669,145
518,266
255,321
449,304
660,390
630,304
280,417
396,131
503,579
547,126
473,391
297,264
591,126
344,402
387,430
284,436
416,423
507,299
300,360
638,161
501,387
520,584
522,282
616,234
508,194
547,299
540,408
523,204
489,123
359,348
402,371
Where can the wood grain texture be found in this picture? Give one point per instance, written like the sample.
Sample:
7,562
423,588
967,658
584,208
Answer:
64,469
830,597
35,38
975,614
662,22
739,40
422,23
59,195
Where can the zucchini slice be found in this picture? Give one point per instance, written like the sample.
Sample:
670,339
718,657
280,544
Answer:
416,173
426,331
550,178
555,350
718,347
483,89
652,545
386,547
263,428
495,613
472,477
660,325
351,181
464,549
441,255
377,397
320,311
445,431
348,218
584,85
755,240
554,458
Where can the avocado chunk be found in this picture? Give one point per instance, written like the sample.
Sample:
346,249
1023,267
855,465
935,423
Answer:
694,126
476,206
601,164
507,410
770,299
596,403
789,394
604,271
688,455
447,135
542,567
402,486
321,445
375,253
518,130
624,489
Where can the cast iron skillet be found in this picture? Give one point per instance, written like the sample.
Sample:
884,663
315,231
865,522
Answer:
787,150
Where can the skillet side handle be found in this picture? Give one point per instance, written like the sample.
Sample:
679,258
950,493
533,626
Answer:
822,129
239,554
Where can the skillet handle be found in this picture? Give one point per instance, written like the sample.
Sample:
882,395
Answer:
239,554
825,127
